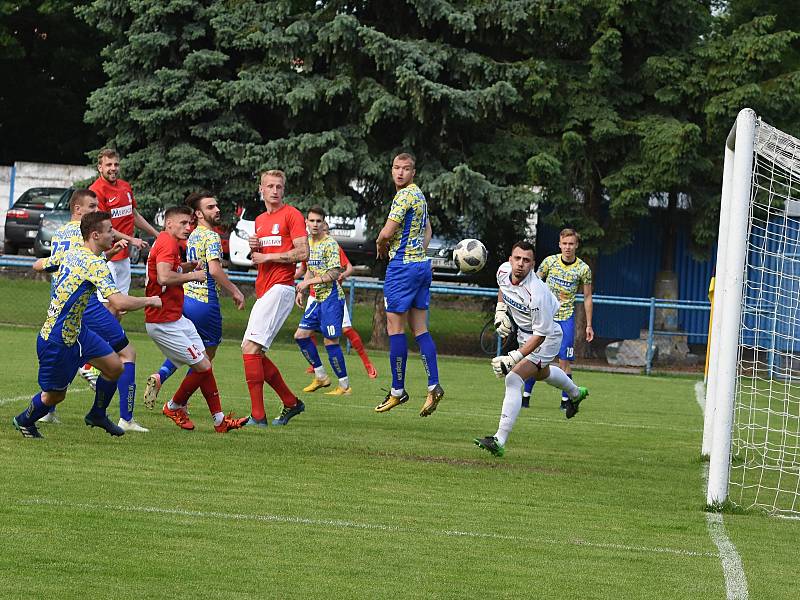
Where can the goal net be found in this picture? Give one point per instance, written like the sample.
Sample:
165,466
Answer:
753,396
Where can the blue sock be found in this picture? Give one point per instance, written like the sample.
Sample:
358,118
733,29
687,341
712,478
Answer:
35,411
427,350
127,390
103,394
564,395
529,386
166,370
336,358
398,355
309,350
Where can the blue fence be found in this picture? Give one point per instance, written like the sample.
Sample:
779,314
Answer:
646,306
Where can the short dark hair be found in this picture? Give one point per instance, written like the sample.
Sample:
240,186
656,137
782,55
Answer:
524,245
91,222
193,199
178,210
78,196
318,210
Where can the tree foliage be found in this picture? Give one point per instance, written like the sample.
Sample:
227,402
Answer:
49,61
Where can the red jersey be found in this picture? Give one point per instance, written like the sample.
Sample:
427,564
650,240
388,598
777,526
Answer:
275,232
117,199
342,261
165,249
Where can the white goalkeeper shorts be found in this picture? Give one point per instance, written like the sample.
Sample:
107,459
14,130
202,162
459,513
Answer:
268,315
345,318
178,341
546,353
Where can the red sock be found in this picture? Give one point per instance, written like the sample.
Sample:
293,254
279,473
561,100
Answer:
355,342
188,386
254,376
208,387
273,377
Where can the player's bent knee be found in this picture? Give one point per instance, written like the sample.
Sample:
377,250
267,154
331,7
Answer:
202,366
128,354
54,397
513,380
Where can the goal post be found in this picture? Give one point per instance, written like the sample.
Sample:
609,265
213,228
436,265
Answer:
751,431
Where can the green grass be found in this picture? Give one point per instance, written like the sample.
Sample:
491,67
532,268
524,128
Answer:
347,503
455,327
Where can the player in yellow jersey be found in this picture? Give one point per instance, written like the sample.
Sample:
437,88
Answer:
326,313
566,275
404,240
63,344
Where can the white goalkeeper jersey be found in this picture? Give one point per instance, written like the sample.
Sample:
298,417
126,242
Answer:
530,303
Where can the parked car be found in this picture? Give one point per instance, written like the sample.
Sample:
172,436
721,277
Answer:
350,233
49,223
440,251
23,219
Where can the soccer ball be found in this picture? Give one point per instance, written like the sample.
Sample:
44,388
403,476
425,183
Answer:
470,255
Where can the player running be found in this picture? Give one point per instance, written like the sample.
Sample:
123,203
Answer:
279,243
326,313
96,316
532,306
404,239
64,344
201,298
174,334
564,274
347,326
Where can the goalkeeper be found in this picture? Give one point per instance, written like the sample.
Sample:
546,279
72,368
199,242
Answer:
523,297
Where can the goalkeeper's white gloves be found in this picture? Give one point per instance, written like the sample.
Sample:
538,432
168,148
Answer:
502,322
502,365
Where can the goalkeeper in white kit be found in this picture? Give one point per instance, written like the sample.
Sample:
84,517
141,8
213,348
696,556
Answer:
525,300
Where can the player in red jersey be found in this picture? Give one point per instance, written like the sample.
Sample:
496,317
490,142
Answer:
347,327
174,334
115,196
279,243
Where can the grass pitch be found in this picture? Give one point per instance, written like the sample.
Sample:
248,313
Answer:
347,503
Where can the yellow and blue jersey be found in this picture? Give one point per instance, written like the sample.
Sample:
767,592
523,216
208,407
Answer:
410,210
80,274
565,281
203,246
322,257
65,238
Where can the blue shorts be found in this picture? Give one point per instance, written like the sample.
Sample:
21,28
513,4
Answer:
407,286
325,316
100,320
207,319
567,351
58,363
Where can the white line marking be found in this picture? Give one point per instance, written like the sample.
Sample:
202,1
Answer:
346,524
732,568
71,392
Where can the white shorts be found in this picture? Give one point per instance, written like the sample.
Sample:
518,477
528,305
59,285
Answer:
546,352
268,315
345,318
121,274
178,341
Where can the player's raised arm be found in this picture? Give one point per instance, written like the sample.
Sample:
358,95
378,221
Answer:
297,254
120,302
168,277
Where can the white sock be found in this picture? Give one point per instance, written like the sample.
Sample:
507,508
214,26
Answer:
559,379
397,393
320,372
172,406
432,387
512,403
218,418
344,382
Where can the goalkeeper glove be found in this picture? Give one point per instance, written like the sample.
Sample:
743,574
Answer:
502,365
502,322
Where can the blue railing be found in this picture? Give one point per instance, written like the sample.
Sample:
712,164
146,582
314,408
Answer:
354,284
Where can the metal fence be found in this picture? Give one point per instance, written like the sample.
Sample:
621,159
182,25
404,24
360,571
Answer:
650,305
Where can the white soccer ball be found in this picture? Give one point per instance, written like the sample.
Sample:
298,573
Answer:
470,255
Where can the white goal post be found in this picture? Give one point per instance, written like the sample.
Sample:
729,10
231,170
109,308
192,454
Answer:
751,430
